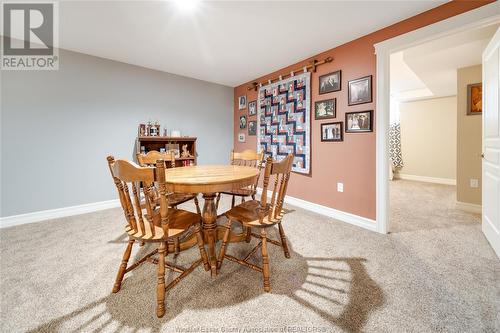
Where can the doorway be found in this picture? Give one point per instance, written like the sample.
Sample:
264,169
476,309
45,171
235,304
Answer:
483,17
435,132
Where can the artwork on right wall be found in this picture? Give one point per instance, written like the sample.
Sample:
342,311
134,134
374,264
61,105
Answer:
357,122
325,109
332,132
360,91
474,99
330,82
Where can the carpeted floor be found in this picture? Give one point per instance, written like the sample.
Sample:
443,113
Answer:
434,273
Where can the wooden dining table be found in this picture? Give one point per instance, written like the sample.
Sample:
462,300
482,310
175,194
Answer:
209,180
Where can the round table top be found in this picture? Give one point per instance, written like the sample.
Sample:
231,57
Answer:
210,178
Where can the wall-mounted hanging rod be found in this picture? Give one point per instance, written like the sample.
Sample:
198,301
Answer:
314,63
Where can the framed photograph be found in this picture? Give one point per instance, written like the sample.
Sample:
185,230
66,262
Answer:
325,109
252,108
241,137
360,91
252,127
358,122
243,122
173,148
142,129
242,102
332,132
330,82
474,99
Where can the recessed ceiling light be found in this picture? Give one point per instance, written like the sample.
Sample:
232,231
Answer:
187,5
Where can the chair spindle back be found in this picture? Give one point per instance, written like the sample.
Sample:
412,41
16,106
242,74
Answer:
249,158
281,173
128,175
152,156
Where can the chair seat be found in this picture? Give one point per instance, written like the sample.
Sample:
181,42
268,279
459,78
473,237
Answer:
248,214
242,192
179,222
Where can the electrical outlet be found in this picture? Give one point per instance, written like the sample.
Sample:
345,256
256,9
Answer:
340,187
474,183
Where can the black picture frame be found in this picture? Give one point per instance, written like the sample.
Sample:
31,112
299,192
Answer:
363,95
252,108
332,102
243,122
364,128
242,102
252,128
325,88
336,137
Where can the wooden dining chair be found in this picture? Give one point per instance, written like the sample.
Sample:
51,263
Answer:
262,215
156,225
249,158
174,199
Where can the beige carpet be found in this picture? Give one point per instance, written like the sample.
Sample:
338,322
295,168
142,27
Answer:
436,273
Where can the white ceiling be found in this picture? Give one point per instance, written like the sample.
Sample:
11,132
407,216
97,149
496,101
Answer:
430,70
227,42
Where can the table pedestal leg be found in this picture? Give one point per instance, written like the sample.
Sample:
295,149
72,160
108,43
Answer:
209,227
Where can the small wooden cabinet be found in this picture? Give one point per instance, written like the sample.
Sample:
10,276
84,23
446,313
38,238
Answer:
166,142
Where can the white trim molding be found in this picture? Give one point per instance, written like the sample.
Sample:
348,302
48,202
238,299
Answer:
425,179
474,19
468,207
10,221
356,220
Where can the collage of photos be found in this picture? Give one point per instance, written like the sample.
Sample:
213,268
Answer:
359,91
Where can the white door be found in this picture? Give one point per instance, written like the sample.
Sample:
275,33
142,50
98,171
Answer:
491,143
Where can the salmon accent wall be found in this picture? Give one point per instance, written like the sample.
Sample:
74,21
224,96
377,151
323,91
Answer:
351,162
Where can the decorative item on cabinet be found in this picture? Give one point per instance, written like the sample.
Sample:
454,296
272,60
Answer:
145,144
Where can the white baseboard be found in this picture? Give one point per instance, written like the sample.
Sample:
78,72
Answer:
14,220
43,215
468,207
444,181
356,220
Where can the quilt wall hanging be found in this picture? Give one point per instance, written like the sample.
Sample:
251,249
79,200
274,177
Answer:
283,120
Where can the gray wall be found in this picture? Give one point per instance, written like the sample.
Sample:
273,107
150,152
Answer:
59,126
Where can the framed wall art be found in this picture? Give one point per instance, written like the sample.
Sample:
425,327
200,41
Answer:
243,122
252,127
325,109
474,99
358,122
242,102
283,120
360,91
330,82
332,132
252,108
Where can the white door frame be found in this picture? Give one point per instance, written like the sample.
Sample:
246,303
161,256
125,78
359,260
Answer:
477,18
